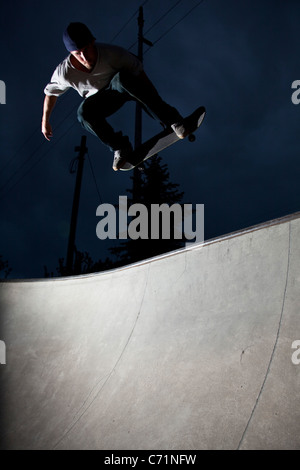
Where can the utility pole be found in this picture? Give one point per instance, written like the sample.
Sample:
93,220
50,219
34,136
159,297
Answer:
71,244
138,109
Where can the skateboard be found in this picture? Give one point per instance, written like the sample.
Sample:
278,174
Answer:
163,140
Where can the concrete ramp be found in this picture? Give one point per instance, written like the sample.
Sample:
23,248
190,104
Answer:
192,350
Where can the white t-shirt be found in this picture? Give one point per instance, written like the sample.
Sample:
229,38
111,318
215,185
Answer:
111,59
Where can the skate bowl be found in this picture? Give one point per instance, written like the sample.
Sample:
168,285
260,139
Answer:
194,350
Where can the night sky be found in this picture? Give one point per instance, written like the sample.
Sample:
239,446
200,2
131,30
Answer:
237,58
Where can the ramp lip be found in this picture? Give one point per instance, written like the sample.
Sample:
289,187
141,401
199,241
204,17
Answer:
191,246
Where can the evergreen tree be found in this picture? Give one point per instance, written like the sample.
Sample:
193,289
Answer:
154,188
83,264
4,267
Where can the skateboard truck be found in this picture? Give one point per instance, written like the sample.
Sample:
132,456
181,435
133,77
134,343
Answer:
163,140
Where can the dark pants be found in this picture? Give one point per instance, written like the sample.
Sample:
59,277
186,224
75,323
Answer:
93,111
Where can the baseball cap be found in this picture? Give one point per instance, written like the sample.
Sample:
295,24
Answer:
77,36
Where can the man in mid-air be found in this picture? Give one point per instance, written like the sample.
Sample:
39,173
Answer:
106,76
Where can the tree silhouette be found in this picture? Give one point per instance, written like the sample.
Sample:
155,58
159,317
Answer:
83,264
4,267
155,188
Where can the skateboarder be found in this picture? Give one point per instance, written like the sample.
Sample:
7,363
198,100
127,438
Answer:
106,76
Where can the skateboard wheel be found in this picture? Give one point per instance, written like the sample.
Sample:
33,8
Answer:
192,138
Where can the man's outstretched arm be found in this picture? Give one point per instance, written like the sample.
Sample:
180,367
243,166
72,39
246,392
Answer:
49,103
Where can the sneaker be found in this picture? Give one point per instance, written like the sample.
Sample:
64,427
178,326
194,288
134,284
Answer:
120,157
180,129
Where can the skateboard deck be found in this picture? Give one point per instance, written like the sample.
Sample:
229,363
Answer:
163,140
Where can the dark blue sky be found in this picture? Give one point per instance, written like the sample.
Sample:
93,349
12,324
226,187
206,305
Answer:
239,59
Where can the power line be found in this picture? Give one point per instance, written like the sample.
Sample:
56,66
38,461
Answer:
62,121
20,168
6,164
20,148
163,16
36,130
32,154
36,162
128,21
158,21
94,178
175,24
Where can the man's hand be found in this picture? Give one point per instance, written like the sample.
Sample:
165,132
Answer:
47,130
